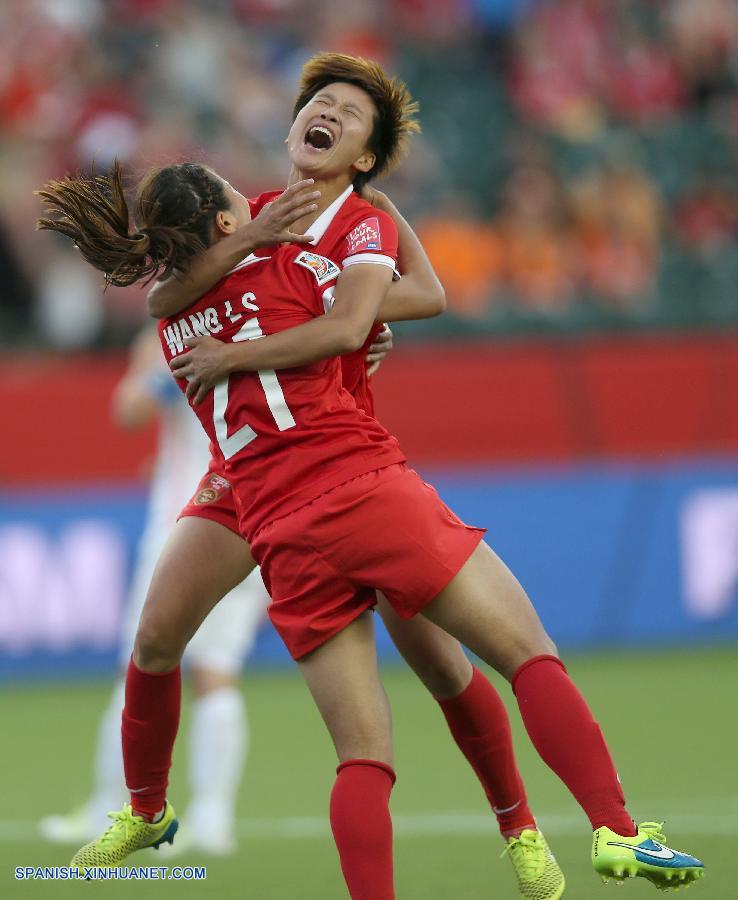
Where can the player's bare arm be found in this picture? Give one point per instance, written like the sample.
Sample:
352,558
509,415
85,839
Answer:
271,226
359,295
419,294
135,399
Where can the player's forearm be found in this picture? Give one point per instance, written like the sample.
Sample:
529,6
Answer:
419,294
413,297
167,298
311,342
133,405
359,294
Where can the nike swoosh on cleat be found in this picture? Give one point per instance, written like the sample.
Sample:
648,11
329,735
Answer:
661,853
136,790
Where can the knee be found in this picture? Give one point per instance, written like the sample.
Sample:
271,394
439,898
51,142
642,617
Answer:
156,649
445,676
366,735
208,680
543,646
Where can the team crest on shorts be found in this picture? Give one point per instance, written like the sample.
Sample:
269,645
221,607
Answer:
215,486
323,269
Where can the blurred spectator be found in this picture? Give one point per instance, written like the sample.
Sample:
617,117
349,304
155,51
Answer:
642,82
148,81
558,65
704,39
706,217
618,220
538,266
466,253
16,297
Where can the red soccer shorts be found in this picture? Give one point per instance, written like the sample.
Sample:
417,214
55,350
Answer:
214,500
386,530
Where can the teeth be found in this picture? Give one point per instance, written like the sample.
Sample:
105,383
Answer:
319,129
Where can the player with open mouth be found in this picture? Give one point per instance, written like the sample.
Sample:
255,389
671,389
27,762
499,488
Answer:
343,103
332,512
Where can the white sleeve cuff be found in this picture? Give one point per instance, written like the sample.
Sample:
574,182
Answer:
376,258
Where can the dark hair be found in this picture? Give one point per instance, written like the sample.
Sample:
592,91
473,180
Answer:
396,110
175,208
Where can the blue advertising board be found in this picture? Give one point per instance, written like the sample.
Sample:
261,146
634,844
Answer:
611,554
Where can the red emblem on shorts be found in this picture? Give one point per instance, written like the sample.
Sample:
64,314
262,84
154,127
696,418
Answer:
213,488
366,236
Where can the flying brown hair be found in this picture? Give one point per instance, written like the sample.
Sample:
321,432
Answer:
175,208
396,110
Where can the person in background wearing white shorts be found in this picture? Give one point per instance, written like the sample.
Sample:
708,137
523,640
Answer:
218,735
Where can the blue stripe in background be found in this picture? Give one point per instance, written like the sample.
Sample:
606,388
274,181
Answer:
596,546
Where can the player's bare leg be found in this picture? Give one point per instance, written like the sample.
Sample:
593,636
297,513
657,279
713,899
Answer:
478,721
343,678
474,712
201,562
485,608
434,655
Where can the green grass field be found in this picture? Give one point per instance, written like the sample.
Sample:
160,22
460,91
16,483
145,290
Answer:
670,719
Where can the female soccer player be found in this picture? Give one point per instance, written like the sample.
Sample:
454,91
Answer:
473,710
378,114
202,558
364,520
218,731
340,514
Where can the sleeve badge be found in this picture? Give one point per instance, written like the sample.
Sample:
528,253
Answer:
323,269
366,236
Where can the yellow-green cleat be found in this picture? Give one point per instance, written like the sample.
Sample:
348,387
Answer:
127,834
538,873
643,855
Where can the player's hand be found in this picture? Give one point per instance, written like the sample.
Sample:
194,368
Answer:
378,350
272,225
204,365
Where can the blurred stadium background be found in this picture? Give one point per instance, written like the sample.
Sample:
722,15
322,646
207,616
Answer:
576,185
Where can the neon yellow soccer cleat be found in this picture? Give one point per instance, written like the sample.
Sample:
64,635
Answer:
127,834
645,856
538,873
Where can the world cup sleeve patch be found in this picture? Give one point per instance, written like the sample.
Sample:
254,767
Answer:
323,269
366,236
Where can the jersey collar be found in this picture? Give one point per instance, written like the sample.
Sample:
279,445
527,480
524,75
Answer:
247,261
319,227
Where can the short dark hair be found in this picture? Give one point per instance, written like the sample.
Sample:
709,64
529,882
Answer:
396,110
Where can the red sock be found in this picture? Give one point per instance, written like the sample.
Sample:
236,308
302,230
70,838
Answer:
569,740
150,722
480,725
362,828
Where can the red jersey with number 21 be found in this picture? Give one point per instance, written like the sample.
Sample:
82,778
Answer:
287,437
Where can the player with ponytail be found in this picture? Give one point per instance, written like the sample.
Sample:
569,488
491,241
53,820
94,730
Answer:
178,212
472,708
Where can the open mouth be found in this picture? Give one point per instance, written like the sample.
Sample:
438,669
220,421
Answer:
319,138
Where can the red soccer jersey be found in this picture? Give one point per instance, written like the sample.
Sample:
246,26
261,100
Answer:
349,231
287,438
